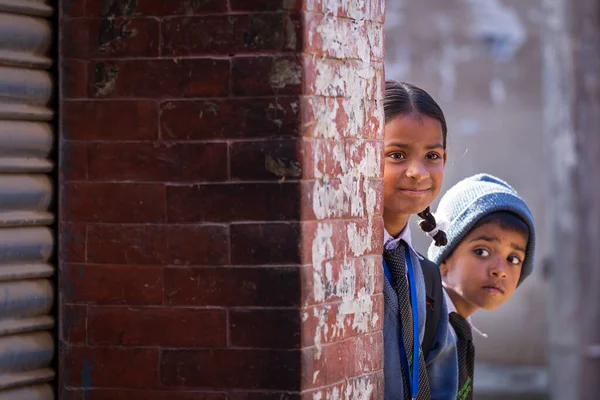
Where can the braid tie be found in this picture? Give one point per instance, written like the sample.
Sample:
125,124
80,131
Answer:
429,225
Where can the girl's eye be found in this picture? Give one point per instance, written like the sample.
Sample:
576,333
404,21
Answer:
481,252
514,260
433,156
397,156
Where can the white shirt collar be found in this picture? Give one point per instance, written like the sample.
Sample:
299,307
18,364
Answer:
389,242
452,308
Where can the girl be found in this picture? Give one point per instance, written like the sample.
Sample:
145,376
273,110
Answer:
415,156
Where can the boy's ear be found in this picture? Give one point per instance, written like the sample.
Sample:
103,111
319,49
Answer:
443,268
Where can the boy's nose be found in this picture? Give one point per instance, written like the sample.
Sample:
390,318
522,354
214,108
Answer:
498,269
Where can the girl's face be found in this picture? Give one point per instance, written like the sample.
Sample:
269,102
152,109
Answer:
414,164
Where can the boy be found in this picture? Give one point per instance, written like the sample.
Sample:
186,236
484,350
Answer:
491,241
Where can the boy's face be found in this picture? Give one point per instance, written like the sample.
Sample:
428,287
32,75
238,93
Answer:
414,164
484,269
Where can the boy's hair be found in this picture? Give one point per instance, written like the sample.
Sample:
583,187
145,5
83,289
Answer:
481,199
401,99
507,220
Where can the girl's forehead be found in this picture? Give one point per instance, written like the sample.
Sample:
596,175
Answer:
413,129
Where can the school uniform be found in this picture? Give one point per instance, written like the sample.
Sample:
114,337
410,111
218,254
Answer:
440,379
461,330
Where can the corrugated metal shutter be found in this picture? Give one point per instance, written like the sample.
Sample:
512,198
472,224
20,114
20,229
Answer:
26,192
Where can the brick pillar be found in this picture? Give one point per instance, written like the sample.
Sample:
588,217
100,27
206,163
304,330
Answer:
220,199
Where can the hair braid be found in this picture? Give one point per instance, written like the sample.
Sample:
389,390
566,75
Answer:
428,224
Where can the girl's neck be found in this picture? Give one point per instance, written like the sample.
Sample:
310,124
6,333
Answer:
394,223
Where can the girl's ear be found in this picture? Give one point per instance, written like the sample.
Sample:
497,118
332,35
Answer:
443,268
445,156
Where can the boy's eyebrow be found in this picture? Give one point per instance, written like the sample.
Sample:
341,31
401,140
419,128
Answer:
495,239
485,238
517,247
404,145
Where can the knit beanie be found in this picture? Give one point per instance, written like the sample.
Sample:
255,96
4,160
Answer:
473,198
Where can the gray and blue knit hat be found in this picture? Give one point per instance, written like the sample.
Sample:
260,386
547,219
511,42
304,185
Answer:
473,198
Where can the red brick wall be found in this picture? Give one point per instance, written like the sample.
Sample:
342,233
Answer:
220,207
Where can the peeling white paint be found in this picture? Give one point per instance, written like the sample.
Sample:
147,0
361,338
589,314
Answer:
358,389
350,87
322,250
359,240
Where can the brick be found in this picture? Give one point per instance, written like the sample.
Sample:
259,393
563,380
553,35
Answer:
112,284
262,369
220,119
101,8
72,8
336,362
73,326
113,202
374,186
170,78
231,202
347,325
109,367
243,287
264,396
265,243
371,10
266,75
230,34
266,160
72,161
367,234
332,244
162,162
371,344
157,244
110,120
371,386
272,329
197,35
259,32
75,77
72,238
265,5
328,77
106,38
185,327
127,394
339,359
318,112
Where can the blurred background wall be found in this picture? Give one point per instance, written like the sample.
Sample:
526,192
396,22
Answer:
481,59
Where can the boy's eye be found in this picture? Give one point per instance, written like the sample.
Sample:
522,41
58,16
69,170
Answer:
481,252
514,260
